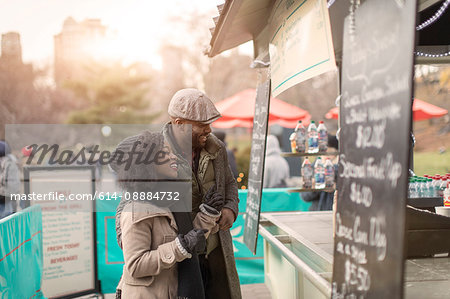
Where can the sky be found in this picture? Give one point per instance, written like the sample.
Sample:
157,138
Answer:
140,25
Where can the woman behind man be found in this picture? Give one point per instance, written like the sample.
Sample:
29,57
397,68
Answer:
160,247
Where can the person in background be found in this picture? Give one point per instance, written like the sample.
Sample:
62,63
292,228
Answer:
276,168
9,180
231,158
323,201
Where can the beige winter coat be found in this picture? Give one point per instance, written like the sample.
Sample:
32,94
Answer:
151,251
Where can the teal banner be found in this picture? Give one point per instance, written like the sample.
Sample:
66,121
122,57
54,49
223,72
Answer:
250,267
109,254
21,256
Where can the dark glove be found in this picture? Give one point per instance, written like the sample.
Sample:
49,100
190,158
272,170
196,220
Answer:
194,241
213,201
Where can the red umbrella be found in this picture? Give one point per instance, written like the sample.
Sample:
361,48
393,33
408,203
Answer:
421,111
233,123
238,110
333,113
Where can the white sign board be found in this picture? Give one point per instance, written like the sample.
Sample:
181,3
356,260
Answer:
300,45
68,229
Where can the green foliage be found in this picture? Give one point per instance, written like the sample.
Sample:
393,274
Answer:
112,94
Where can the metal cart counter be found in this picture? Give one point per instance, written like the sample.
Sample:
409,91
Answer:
298,259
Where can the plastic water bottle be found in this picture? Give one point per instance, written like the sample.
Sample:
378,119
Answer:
419,187
319,173
417,184
416,187
329,174
430,187
307,173
313,138
423,188
410,187
435,185
426,187
413,188
300,137
292,140
323,137
442,186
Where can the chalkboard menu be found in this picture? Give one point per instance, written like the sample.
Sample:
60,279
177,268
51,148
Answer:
375,121
256,171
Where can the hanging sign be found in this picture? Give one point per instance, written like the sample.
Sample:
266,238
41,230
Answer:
300,45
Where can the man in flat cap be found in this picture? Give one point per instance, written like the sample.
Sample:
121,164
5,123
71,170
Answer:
210,173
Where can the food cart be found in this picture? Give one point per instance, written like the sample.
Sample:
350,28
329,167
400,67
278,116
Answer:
371,245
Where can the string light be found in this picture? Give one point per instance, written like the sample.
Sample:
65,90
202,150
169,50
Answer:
354,4
331,2
418,53
425,24
435,17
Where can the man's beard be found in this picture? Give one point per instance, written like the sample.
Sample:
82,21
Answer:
196,143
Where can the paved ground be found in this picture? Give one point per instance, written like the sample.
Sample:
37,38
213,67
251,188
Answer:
258,290
249,291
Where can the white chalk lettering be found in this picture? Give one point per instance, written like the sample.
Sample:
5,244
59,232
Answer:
391,111
386,168
371,136
377,237
341,230
358,235
361,194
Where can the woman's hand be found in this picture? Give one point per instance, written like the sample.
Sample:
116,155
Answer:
194,241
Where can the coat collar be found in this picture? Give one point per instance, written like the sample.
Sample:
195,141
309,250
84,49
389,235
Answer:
212,145
144,210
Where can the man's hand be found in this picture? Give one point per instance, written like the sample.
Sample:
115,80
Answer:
227,219
213,201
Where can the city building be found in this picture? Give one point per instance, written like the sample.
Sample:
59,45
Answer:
11,57
74,47
16,78
13,72
11,48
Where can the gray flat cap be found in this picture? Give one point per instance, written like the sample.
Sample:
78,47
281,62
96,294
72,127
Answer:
192,104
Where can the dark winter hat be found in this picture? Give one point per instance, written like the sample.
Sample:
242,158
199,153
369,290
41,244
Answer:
192,104
143,143
124,147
